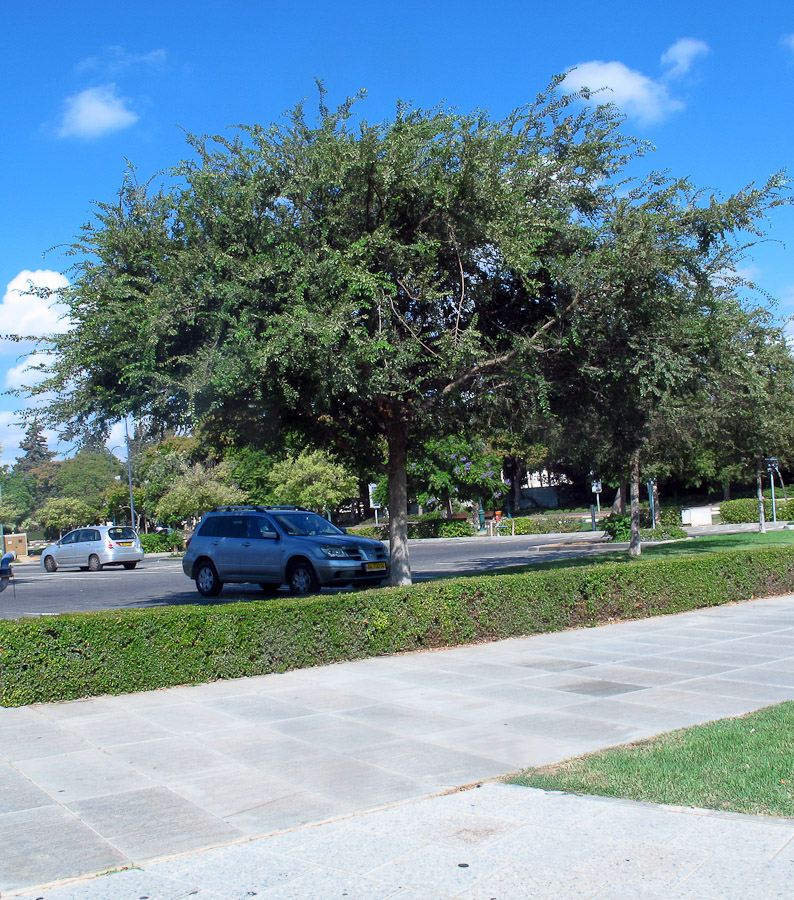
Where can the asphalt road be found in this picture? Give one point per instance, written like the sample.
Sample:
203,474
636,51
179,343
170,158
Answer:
160,581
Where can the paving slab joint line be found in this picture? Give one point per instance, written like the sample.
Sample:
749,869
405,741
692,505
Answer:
248,839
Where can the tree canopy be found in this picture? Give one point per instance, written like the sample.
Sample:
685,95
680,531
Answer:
363,284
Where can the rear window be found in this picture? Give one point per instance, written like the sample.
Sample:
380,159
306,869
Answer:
121,533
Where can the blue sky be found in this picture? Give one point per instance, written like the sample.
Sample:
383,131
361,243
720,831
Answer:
86,87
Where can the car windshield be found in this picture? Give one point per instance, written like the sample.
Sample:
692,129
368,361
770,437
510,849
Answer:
121,533
305,523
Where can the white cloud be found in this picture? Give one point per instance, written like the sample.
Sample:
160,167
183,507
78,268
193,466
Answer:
680,56
644,98
96,112
23,374
27,310
637,95
115,59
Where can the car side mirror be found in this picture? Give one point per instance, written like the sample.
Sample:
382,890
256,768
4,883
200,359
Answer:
343,530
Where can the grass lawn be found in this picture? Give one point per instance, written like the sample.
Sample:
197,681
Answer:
708,543
743,765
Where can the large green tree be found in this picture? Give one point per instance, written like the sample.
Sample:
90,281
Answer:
358,282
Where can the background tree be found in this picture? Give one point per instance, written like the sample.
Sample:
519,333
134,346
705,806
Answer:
312,479
36,451
85,476
200,488
62,514
647,353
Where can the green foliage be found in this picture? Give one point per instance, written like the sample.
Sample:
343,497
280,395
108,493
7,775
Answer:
312,479
456,528
379,532
200,488
617,526
84,476
663,533
65,513
551,524
87,654
734,512
454,468
162,542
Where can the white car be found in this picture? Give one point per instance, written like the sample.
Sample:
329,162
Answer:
93,548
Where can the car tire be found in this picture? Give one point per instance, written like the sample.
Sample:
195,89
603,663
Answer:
207,582
50,565
302,579
94,565
130,565
269,587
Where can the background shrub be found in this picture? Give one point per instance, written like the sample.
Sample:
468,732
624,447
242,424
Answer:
456,528
162,542
738,511
548,524
86,654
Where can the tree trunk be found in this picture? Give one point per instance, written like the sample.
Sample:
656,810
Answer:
726,492
635,546
397,440
760,492
619,503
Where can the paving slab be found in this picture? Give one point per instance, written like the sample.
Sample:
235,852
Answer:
221,791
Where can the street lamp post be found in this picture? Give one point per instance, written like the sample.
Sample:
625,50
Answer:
129,474
771,467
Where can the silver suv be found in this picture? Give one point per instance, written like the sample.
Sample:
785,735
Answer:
275,545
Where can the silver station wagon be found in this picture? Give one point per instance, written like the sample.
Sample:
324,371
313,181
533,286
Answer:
93,548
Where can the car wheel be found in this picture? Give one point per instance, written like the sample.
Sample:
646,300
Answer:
50,565
94,565
130,565
207,582
268,587
301,579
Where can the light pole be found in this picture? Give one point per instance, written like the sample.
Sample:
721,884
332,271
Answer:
771,467
129,474
117,447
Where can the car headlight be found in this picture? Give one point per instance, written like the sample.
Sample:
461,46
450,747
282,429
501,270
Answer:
334,552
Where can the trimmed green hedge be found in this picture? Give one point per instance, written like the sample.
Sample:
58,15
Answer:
87,654
162,542
547,524
735,512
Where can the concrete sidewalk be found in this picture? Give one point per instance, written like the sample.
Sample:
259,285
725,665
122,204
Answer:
250,768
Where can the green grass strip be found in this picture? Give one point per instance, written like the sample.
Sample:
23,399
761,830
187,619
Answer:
112,652
743,765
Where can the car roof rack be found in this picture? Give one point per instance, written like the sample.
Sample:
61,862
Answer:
251,507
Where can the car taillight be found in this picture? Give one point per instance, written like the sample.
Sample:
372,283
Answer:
110,544
187,543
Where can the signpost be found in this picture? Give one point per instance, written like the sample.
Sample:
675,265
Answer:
596,489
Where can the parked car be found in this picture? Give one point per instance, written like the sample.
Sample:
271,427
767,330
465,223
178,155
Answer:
93,548
275,545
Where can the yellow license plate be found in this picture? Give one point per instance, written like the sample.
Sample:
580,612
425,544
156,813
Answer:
374,567
125,544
